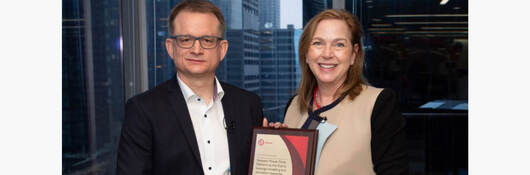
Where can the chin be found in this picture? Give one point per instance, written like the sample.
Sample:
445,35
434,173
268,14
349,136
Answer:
325,80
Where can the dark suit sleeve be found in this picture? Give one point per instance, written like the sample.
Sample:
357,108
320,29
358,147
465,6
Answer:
388,136
258,121
134,151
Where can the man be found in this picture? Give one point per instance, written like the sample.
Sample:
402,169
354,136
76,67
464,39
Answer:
192,123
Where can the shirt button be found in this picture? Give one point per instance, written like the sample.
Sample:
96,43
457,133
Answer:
205,115
209,168
208,141
198,99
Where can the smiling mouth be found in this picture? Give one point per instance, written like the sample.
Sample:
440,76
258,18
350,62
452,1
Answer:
327,66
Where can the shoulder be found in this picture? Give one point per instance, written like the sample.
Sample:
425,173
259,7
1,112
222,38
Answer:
154,94
370,91
386,95
292,106
367,97
238,93
293,101
386,106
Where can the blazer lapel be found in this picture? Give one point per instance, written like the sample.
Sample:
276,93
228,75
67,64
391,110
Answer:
182,114
232,131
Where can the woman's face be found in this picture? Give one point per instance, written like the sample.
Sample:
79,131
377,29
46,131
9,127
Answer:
330,53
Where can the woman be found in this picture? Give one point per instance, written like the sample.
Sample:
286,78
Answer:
360,127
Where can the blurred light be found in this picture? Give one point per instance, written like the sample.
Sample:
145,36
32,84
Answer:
461,32
386,29
439,28
426,15
419,32
456,8
376,19
443,2
121,44
381,25
429,22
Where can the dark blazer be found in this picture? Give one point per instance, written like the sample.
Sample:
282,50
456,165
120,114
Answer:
157,136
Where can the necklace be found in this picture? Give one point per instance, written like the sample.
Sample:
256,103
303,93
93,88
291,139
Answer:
315,96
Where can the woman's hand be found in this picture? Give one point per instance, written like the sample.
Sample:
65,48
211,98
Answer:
271,124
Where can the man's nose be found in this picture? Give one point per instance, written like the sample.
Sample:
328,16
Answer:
196,48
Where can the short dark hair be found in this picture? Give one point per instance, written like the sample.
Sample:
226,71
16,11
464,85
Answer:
200,6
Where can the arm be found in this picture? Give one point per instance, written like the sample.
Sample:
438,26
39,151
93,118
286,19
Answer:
134,151
388,136
258,121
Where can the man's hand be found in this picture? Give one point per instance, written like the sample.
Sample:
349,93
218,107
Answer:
271,124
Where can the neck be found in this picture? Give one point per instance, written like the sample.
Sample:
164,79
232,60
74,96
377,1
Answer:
200,85
326,93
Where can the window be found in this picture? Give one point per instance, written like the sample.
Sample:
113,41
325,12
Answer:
93,95
113,50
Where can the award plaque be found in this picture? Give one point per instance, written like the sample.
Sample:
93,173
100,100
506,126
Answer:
283,151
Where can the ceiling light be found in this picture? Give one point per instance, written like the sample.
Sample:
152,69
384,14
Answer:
426,15
430,22
381,25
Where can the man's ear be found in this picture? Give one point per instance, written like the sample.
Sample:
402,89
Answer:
223,46
169,47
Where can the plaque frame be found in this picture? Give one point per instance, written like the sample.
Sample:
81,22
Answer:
312,135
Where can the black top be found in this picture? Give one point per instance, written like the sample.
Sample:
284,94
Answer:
388,142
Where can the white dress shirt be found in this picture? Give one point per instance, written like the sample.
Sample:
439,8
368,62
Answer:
208,124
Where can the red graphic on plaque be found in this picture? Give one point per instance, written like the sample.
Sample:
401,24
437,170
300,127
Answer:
300,145
261,142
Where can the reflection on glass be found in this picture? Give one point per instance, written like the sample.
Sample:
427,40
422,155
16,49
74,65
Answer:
92,86
419,49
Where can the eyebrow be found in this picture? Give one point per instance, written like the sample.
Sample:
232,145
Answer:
337,39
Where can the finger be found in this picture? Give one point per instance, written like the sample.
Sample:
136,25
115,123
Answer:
284,126
277,125
271,124
264,124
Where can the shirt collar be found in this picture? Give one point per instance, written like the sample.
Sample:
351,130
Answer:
188,93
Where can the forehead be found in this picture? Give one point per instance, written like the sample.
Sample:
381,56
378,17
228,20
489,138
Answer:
196,24
332,29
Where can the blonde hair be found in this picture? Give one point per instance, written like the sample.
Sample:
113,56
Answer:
352,85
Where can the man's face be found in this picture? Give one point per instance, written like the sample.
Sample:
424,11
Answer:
196,61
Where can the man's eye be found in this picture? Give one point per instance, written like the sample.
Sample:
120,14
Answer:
184,39
340,45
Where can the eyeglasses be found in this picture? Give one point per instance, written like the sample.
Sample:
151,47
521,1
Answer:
188,41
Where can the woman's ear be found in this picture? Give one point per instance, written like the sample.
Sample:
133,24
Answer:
354,53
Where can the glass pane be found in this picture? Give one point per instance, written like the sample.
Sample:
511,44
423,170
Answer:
160,66
92,108
419,49
260,58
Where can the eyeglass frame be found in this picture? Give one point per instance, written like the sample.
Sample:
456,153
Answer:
175,37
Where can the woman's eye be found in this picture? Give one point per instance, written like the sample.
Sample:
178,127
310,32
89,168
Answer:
316,43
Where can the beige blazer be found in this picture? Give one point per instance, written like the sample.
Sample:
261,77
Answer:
347,150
